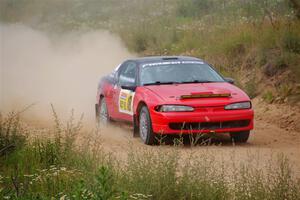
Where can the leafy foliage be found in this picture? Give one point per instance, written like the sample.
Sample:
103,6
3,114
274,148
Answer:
11,134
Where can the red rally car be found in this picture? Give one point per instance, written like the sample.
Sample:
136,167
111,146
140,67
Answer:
174,95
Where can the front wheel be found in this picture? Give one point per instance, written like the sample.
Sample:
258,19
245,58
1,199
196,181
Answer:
240,137
145,127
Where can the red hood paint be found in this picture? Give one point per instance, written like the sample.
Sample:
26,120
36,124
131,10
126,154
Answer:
170,94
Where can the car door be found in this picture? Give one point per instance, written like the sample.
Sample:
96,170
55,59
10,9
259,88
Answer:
110,91
123,98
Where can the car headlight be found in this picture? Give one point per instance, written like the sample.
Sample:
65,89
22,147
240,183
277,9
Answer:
175,108
238,106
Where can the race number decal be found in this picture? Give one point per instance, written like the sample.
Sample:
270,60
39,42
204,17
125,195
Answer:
126,101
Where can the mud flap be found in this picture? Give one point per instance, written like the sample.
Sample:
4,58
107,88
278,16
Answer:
135,127
97,110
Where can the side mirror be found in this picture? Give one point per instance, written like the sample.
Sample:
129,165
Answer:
229,80
128,87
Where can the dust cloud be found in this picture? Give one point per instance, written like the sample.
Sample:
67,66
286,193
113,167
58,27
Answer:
63,70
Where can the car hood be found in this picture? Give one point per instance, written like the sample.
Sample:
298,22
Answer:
201,94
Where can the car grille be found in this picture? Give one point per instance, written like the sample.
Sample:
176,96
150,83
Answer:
209,125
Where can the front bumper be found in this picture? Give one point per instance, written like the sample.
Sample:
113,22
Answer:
202,121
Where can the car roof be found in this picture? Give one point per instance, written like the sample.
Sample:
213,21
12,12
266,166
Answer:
155,59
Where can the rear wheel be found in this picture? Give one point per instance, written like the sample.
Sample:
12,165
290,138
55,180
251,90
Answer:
102,116
145,126
240,137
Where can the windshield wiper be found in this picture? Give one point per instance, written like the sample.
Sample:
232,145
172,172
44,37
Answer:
161,83
198,81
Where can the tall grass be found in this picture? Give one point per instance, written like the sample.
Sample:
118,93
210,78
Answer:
68,167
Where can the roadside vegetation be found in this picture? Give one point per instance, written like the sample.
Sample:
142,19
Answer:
66,166
257,42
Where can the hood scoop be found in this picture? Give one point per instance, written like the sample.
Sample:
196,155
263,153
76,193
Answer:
206,95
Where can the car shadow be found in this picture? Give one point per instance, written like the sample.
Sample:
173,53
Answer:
190,140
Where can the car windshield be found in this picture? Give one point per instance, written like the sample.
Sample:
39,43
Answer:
178,72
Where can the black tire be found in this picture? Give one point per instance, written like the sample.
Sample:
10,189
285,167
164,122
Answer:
240,137
145,127
102,116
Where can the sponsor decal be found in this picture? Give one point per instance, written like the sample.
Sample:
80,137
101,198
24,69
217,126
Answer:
126,101
172,63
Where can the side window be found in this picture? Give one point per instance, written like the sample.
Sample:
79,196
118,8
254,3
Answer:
127,74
